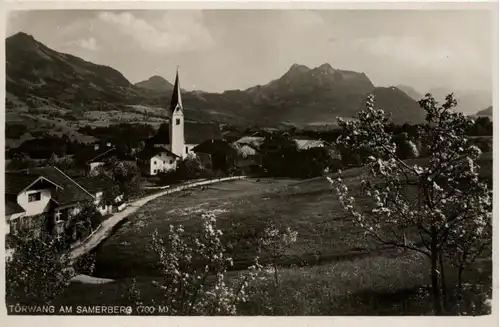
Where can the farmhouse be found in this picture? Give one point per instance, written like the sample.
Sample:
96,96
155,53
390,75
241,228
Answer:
218,153
153,160
97,186
44,199
166,148
99,159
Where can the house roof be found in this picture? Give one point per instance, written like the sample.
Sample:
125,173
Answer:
245,150
253,141
68,192
150,152
11,207
16,182
102,155
304,144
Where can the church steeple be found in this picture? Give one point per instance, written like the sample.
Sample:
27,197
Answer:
177,145
176,101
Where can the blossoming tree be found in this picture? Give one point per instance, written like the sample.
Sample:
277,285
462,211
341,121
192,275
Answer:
275,243
194,270
38,269
436,207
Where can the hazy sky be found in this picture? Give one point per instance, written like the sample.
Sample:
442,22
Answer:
220,50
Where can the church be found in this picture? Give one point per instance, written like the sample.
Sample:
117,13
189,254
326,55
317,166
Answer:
166,149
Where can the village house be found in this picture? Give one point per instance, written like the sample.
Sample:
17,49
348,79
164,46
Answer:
154,160
100,158
44,199
219,154
98,186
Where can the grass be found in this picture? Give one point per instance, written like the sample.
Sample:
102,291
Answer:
331,270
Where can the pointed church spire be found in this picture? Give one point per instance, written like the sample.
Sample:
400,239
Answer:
176,101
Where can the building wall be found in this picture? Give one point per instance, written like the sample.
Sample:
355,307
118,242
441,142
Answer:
177,133
161,162
36,207
11,220
94,165
104,209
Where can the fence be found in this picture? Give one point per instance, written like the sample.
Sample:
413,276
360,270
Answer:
104,229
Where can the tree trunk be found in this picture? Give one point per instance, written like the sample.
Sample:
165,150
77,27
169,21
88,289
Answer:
276,277
460,272
436,292
443,283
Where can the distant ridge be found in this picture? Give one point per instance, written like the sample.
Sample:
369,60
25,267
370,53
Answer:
39,76
156,83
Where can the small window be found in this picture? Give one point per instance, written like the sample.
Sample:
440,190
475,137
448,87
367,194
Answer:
154,171
154,162
171,161
35,197
178,121
164,162
187,149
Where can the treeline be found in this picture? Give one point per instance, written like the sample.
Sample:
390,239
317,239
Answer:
483,126
124,133
48,145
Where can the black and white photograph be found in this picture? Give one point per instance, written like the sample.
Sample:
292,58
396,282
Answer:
251,162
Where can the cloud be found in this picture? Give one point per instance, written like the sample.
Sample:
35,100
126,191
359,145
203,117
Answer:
408,50
174,32
89,44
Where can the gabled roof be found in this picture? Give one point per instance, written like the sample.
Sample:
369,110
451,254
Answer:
11,207
103,155
150,152
68,192
16,182
254,141
303,144
245,150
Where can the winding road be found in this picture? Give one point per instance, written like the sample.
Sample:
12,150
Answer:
106,227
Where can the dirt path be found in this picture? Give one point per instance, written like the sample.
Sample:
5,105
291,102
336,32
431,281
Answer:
106,227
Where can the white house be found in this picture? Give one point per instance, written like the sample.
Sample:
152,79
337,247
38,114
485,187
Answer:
156,160
42,199
97,186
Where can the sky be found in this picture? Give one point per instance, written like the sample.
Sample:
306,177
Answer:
219,50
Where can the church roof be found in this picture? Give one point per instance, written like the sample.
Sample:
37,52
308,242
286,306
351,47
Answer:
194,133
214,147
176,100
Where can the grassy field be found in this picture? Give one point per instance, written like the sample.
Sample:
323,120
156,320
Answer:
331,270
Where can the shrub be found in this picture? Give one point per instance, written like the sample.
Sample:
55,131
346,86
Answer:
194,269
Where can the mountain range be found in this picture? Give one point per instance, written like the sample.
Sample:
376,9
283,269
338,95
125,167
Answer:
39,76
468,102
488,112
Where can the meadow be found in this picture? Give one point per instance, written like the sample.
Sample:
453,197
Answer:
332,269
